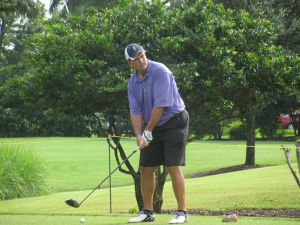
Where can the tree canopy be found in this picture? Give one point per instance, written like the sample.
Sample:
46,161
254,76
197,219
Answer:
18,20
225,62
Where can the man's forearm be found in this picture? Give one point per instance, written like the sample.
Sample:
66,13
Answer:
155,117
137,123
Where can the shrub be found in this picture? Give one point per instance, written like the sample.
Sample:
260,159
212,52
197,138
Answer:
271,130
22,173
237,130
280,132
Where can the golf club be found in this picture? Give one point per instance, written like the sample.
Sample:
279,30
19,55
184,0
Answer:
73,203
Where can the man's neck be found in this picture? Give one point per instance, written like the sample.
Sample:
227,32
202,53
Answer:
142,74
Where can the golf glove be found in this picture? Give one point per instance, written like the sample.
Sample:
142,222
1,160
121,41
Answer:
147,137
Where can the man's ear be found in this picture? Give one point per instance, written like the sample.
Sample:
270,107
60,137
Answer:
129,62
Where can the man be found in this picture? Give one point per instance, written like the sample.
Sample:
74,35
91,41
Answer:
154,99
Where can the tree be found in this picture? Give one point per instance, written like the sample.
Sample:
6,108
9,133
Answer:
20,119
79,7
18,19
75,72
287,152
222,62
285,16
12,10
74,68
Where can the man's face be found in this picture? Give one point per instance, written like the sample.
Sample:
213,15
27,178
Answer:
140,62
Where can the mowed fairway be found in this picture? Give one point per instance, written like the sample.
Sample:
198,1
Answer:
78,165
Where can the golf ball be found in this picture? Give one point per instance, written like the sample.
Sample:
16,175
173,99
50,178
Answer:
82,220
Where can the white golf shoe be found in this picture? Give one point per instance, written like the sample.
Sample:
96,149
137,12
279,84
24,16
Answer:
181,217
143,217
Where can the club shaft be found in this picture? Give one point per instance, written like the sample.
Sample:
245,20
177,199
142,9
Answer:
110,174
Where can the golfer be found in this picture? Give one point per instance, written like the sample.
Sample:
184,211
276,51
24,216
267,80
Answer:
160,122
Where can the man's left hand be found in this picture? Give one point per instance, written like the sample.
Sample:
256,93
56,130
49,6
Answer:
147,137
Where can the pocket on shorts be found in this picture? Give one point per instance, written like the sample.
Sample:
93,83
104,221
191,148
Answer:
184,119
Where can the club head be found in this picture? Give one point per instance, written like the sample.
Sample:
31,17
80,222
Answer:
72,202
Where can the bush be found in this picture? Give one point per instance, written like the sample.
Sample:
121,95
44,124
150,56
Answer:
22,173
272,130
237,130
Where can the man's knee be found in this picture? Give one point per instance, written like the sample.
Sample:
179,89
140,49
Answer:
174,169
147,170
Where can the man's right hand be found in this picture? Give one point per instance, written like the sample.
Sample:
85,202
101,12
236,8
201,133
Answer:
139,141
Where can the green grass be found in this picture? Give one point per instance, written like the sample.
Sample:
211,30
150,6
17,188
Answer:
115,219
79,165
82,163
263,188
23,173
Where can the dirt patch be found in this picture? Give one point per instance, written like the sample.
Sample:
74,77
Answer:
250,212
228,170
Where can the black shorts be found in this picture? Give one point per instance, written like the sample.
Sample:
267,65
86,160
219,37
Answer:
168,144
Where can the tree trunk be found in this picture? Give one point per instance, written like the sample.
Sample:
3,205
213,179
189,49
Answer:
160,177
2,32
287,152
138,192
298,153
250,152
